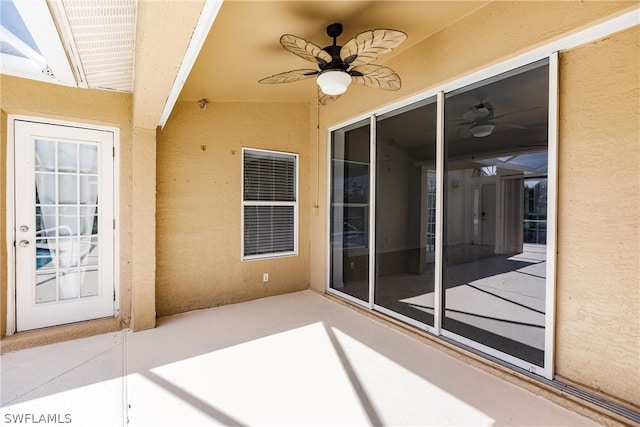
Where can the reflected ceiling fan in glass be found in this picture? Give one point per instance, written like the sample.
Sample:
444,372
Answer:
481,119
338,66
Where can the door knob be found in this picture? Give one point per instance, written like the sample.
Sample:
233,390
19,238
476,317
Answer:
23,243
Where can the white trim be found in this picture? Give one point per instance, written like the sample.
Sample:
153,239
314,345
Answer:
207,17
327,231
11,230
437,280
372,208
552,221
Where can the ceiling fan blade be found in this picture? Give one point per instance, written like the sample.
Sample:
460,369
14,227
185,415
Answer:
370,45
375,76
469,116
289,76
515,112
324,99
509,125
305,49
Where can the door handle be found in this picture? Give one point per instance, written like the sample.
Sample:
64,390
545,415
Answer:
23,243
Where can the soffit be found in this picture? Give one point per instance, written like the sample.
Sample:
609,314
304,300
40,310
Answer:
243,44
99,37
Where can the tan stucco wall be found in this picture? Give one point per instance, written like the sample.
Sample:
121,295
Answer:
31,98
598,282
199,203
143,256
598,310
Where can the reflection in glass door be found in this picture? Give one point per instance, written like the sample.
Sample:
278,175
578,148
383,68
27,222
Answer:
496,144
350,199
405,212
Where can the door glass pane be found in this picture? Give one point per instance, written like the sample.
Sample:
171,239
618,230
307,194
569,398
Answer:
89,158
45,286
68,221
45,156
88,189
349,223
68,189
405,210
45,188
67,157
495,212
87,219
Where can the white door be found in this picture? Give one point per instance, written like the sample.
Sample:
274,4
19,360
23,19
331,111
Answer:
64,224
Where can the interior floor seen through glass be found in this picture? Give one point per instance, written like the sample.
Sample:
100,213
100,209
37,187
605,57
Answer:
496,142
406,210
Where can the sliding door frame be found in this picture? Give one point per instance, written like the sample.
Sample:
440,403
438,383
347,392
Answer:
437,329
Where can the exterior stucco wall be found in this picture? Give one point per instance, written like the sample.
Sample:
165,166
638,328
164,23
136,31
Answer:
199,204
48,101
598,339
143,255
598,273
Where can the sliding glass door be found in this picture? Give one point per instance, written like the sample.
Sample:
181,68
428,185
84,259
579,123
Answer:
405,212
496,168
349,223
440,214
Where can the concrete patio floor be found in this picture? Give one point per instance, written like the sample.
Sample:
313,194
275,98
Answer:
295,359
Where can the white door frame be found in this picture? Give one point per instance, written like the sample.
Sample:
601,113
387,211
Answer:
10,210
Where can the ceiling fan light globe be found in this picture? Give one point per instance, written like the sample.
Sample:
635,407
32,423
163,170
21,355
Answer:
334,82
481,130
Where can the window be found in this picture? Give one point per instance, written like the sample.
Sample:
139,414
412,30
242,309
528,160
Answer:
269,204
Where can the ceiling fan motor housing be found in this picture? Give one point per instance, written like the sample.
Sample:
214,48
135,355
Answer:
336,62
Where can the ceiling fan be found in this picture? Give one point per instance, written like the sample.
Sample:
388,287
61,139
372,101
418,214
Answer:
481,118
338,66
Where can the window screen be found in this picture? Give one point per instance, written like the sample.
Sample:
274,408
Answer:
269,203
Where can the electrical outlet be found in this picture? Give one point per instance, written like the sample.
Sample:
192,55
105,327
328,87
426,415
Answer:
265,277
352,265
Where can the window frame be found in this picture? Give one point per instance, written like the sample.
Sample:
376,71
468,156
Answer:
294,204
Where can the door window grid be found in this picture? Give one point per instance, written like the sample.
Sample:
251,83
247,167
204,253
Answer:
66,220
